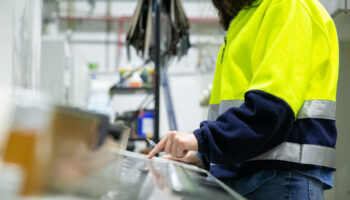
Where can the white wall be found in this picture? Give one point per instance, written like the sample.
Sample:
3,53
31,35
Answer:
342,177
6,42
186,85
54,74
185,92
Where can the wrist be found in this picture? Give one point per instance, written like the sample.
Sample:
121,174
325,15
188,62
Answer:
194,143
197,160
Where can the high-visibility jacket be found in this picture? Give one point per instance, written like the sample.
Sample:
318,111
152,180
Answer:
274,92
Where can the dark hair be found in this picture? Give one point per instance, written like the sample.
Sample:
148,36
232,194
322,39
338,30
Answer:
228,9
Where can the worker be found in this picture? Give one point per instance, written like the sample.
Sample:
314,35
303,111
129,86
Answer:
271,131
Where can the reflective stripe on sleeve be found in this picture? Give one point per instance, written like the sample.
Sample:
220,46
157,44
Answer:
217,109
322,109
301,153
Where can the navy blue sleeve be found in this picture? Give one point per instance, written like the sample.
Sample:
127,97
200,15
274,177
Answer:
261,123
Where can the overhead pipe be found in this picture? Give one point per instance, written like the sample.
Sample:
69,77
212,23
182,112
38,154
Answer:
128,18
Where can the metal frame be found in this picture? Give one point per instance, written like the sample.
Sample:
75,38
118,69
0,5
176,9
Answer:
168,101
157,63
160,71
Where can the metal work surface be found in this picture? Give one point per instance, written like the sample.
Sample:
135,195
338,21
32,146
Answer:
140,178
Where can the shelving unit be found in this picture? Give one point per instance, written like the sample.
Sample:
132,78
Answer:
124,90
157,75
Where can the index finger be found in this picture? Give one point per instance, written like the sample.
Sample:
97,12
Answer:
158,148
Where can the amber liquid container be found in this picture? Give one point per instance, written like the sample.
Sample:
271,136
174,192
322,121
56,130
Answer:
27,144
20,150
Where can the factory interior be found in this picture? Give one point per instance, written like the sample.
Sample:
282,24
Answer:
91,88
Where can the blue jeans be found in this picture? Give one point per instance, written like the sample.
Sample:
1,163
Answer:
280,185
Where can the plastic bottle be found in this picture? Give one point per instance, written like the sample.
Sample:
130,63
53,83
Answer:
136,80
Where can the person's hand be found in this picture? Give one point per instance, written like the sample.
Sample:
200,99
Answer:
190,158
176,144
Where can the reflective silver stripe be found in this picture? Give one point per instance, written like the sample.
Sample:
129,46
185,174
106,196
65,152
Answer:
323,109
303,154
217,109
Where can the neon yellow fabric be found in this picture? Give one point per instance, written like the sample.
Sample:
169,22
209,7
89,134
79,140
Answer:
287,48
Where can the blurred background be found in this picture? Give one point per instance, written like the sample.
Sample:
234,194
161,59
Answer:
73,56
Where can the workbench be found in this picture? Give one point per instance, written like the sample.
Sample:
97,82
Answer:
132,176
